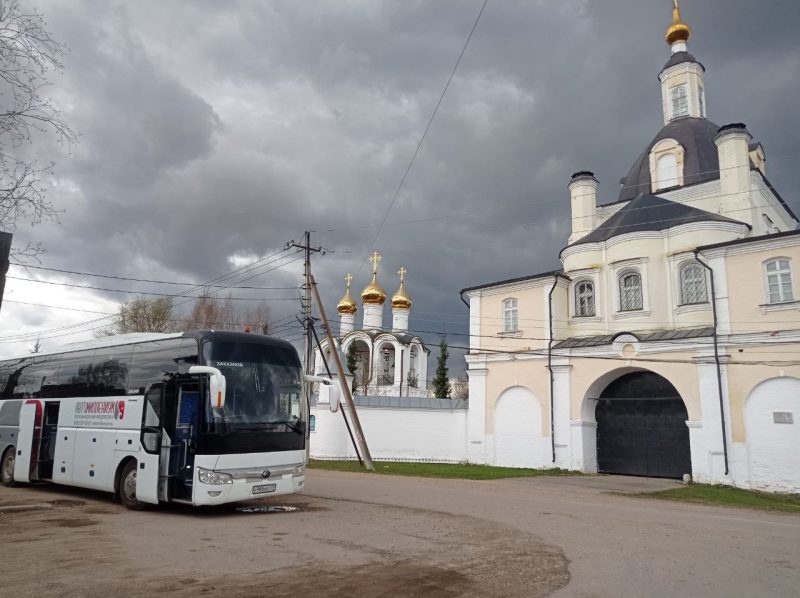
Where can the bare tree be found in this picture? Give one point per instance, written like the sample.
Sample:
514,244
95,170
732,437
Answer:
459,388
257,317
220,313
212,312
27,54
142,315
37,347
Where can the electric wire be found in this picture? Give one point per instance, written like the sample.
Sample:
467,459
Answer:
425,132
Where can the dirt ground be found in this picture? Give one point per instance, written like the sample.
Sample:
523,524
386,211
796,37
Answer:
59,541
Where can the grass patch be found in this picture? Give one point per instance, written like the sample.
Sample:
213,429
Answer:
463,471
726,496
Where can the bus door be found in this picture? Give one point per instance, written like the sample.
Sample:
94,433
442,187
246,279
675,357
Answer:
148,472
187,425
49,435
181,427
28,438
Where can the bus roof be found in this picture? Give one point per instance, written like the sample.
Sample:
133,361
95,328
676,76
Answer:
130,338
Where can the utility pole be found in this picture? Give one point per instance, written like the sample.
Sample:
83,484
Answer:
348,397
306,297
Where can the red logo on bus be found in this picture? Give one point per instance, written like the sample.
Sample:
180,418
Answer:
120,409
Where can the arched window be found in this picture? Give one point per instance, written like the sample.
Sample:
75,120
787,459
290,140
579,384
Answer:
584,298
693,284
701,99
779,280
630,291
667,171
510,315
680,101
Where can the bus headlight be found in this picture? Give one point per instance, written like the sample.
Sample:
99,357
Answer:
299,471
207,476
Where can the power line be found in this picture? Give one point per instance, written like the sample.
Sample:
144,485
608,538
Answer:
241,270
88,311
190,284
554,220
83,286
425,133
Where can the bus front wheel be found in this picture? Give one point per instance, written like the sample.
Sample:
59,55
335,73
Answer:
7,467
126,487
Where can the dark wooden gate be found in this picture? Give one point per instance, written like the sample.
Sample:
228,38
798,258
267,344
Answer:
641,428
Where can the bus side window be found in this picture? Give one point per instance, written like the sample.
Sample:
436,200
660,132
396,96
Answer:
152,360
108,375
43,374
19,385
151,420
72,376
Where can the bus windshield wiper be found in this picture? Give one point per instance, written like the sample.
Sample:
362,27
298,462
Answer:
292,425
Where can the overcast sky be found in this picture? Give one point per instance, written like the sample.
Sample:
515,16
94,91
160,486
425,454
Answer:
213,132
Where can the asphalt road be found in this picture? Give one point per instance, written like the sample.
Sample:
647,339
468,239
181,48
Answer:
359,535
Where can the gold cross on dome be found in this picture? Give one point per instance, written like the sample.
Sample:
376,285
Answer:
375,258
348,279
402,272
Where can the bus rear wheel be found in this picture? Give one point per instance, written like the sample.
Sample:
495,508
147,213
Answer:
126,487
7,467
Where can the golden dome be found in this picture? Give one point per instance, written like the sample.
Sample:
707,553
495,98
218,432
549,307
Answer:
346,304
373,294
401,300
678,31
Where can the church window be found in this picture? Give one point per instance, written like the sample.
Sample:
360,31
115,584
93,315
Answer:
680,101
701,98
584,299
779,280
630,291
693,284
510,315
667,171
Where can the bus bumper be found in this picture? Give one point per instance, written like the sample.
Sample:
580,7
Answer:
270,477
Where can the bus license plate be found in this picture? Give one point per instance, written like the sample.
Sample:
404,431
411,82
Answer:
264,488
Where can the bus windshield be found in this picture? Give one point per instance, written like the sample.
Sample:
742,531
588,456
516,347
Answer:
263,387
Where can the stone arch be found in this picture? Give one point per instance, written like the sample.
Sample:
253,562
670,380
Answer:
518,437
771,420
364,356
639,427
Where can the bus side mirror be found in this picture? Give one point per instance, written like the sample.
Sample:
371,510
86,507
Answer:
216,384
329,389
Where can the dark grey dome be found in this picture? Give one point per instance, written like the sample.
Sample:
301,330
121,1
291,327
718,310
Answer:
680,58
700,157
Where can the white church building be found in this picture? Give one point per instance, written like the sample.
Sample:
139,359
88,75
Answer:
671,332
672,329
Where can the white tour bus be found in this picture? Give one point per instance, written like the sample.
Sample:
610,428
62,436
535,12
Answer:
200,417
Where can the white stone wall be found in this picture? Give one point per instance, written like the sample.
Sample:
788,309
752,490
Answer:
393,434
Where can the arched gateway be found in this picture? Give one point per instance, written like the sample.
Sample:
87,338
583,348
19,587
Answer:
641,428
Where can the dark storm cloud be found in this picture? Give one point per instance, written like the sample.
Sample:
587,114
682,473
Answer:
217,129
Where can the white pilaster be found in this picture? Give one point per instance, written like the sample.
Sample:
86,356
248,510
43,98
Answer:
561,423
476,415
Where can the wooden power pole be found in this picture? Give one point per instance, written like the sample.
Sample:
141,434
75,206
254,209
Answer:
348,397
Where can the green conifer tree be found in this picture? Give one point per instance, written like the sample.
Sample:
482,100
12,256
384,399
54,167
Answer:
441,383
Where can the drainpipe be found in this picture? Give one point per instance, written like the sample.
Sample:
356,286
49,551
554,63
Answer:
550,367
716,359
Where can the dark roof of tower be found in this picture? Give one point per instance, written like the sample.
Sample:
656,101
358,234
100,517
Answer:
649,213
681,57
700,157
